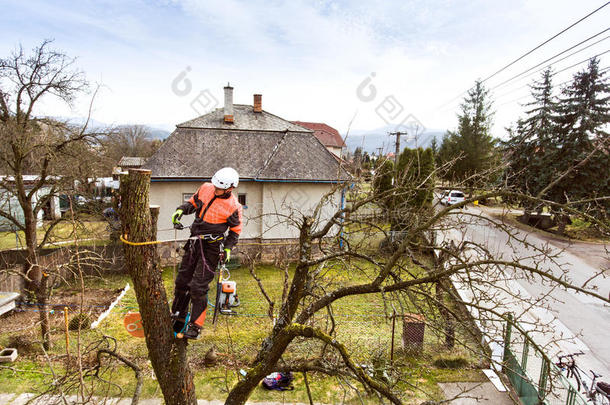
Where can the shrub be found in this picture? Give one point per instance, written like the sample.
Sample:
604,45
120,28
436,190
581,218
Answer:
451,362
80,321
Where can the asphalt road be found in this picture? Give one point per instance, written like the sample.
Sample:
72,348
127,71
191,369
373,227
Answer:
587,318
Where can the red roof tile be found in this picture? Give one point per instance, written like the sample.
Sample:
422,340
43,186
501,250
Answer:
328,135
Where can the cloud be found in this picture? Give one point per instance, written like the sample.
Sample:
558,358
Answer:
306,57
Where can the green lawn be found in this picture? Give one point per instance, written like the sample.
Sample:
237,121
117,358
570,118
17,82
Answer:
63,232
361,326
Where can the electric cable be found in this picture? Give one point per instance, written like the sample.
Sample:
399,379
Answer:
526,54
556,55
545,42
554,86
553,74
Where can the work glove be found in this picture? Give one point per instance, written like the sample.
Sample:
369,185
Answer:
176,216
227,255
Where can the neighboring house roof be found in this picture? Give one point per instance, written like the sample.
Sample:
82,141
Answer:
131,161
328,135
245,119
260,146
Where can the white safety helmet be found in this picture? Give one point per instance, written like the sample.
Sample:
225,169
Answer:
225,178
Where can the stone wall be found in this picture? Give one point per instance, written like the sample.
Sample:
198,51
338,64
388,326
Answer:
265,251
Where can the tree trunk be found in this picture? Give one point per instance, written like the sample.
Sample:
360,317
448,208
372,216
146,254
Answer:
274,346
449,321
562,222
42,298
167,354
36,282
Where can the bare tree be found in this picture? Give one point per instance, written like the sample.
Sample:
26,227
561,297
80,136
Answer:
420,272
128,140
38,156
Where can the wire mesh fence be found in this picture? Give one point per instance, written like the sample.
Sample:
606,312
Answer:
533,375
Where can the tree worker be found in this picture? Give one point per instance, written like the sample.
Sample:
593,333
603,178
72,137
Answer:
216,209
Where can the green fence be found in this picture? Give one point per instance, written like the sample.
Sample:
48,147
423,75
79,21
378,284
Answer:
533,375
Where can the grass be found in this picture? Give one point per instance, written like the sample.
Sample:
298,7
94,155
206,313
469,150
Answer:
361,326
63,232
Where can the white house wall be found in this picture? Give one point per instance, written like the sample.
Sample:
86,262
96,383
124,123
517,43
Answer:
169,195
335,150
270,211
285,204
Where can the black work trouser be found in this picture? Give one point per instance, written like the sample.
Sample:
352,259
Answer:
196,272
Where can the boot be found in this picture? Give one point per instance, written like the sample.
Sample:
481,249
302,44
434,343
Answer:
192,331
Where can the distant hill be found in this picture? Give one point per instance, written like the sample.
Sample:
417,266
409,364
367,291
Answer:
155,133
158,133
370,140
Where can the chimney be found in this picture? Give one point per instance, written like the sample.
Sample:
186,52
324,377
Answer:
228,104
258,103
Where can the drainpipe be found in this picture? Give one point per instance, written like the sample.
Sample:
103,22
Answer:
342,218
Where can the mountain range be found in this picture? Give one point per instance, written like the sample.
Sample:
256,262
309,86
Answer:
371,140
368,140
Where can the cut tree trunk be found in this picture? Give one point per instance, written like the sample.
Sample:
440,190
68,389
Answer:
167,354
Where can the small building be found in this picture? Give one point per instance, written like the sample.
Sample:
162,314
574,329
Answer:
131,162
326,134
284,169
9,203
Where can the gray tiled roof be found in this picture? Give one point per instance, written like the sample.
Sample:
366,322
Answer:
263,155
131,161
244,119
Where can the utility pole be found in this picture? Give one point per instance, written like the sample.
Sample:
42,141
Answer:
379,150
397,135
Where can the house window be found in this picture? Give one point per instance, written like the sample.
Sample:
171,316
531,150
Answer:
242,199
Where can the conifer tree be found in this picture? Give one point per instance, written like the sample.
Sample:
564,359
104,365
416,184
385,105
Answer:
581,157
471,147
530,145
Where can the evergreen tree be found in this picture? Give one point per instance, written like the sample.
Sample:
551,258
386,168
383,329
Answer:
530,145
582,144
434,147
412,181
471,147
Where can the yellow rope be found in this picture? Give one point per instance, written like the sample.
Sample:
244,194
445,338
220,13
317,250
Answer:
152,242
123,239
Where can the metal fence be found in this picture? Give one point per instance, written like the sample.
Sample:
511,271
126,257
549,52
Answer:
533,375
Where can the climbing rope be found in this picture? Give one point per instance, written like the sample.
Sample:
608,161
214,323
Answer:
124,239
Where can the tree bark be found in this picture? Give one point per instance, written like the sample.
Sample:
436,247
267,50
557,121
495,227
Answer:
167,354
449,322
36,280
562,222
274,346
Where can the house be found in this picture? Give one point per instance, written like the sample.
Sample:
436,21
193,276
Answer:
328,135
9,202
284,169
131,162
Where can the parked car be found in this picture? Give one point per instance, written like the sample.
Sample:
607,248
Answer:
452,197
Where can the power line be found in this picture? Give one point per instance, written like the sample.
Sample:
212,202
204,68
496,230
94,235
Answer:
556,55
554,73
554,86
545,42
527,53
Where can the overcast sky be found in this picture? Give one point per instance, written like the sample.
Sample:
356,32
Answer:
164,62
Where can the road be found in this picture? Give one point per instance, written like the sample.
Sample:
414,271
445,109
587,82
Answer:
582,322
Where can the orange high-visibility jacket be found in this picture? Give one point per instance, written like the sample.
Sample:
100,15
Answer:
214,214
